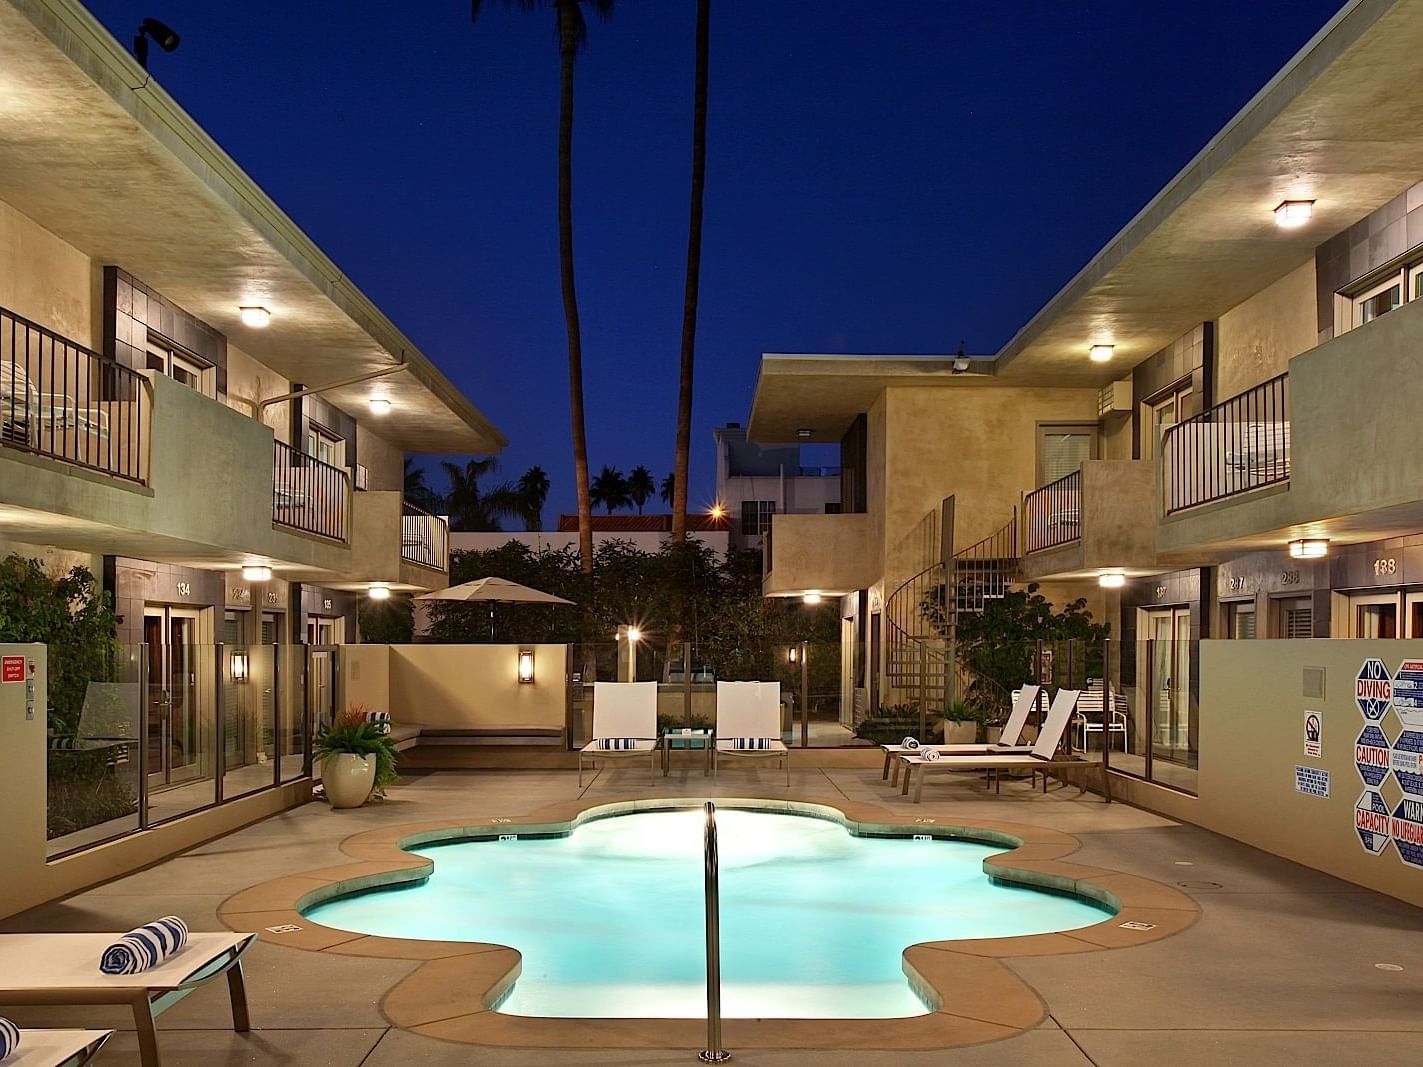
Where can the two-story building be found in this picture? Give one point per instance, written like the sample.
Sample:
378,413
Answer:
755,482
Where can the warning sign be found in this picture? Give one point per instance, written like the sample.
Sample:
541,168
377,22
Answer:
1408,693
1311,781
1373,690
12,668
1406,761
1372,756
1313,734
1371,821
1406,829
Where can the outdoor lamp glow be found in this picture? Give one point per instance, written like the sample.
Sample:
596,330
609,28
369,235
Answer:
379,405
1100,353
1111,579
239,666
1309,548
256,574
256,317
1292,214
794,654
717,512
811,599
526,666
634,633
378,591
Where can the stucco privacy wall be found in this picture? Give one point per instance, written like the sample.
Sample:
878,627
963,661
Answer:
1256,339
46,279
384,463
1252,737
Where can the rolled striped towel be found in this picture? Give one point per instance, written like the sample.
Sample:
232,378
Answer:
749,743
380,720
65,743
930,754
910,743
9,1037
145,947
613,743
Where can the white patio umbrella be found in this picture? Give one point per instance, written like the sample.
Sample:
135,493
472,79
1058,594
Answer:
494,591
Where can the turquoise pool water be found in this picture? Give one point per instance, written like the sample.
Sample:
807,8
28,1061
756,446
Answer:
609,919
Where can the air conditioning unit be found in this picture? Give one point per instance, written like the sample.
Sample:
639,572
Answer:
361,477
1114,399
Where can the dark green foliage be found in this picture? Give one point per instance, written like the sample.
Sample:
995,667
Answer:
352,735
85,788
388,622
894,722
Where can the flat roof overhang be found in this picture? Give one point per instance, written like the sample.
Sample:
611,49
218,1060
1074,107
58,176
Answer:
100,155
1331,127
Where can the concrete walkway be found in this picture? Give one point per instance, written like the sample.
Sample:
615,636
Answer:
1280,969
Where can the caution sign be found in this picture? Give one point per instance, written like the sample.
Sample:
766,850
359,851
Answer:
1406,829
1373,690
1408,693
1406,762
1371,821
1372,756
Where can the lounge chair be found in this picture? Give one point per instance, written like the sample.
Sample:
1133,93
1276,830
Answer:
627,711
57,1048
1024,701
1044,755
749,711
63,969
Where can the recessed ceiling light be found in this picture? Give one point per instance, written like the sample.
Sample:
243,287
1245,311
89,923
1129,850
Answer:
256,574
1100,353
1111,579
378,591
1309,548
256,317
811,598
1291,214
804,432
379,405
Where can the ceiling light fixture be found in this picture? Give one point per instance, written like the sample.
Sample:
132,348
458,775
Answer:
257,574
378,591
804,433
1100,353
1309,548
811,599
1292,214
380,405
254,316
1111,579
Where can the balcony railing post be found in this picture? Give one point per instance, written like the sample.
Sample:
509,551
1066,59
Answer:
1242,443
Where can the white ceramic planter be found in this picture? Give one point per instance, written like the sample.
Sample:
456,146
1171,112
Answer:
349,779
960,733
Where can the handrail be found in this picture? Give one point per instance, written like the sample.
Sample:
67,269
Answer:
1052,514
424,537
308,494
1240,444
713,1053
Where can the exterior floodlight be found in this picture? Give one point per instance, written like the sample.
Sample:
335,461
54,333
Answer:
1293,214
811,599
1111,579
256,574
1309,548
1100,353
526,666
160,33
256,317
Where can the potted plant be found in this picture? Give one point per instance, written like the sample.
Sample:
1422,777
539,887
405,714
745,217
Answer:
894,721
961,723
357,759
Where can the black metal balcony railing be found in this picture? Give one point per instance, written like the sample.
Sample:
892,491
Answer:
424,538
309,495
1052,515
61,400
1240,444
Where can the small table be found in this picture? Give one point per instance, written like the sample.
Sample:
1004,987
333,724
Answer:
687,738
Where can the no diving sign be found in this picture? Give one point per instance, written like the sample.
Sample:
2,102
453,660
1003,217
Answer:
1373,690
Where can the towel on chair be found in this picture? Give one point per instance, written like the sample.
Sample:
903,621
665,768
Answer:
749,743
930,754
380,720
9,1037
145,947
911,743
617,742
64,743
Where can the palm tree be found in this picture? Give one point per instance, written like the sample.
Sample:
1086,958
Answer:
469,507
667,488
610,489
640,486
417,490
694,273
572,34
532,490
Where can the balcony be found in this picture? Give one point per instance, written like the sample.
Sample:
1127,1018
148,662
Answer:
396,542
1096,518
310,496
1238,446
829,554
424,538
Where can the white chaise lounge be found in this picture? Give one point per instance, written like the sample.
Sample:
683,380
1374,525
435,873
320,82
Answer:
1009,743
57,1048
623,710
45,969
747,711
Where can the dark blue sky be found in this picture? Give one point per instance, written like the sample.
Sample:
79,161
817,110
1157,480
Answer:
882,177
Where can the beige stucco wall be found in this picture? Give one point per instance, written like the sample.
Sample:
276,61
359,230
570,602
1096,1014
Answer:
45,279
1256,339
249,382
56,561
384,462
821,553
365,676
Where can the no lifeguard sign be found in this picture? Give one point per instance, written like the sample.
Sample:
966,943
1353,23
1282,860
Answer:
1373,690
12,668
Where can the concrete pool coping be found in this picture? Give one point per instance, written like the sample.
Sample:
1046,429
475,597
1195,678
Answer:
989,1001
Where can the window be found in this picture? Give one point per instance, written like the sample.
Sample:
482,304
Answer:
832,507
1296,617
1240,620
1159,413
1063,448
325,446
1379,300
756,516
181,367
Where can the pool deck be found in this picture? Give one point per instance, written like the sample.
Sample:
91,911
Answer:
1279,969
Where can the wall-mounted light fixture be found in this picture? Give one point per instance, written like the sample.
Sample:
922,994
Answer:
379,405
804,433
256,574
378,591
240,665
159,32
811,599
1111,579
1309,548
1101,353
793,654
526,666
717,511
256,317
1292,214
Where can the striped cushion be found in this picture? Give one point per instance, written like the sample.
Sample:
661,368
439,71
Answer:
930,754
9,1037
380,720
145,947
65,743
617,742
749,743
911,743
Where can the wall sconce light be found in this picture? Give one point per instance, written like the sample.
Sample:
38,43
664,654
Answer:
526,666
256,317
1101,353
810,599
256,574
793,654
378,591
239,666
1111,579
634,634
1309,548
1292,214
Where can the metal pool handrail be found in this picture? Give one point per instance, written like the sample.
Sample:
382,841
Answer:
713,1053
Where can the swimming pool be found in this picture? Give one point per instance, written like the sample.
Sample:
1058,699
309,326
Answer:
609,918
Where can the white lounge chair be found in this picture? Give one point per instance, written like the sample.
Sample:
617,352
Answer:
1043,756
623,710
1009,742
57,1048
45,969
749,710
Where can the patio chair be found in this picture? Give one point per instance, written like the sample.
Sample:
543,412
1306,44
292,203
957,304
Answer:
57,1048
1044,754
748,724
1096,716
63,969
1024,701
625,714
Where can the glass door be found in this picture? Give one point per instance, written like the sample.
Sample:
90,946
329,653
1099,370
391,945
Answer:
1159,414
1415,609
176,749
1170,632
1375,617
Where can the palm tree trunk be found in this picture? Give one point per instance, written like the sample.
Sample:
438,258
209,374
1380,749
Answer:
570,296
694,270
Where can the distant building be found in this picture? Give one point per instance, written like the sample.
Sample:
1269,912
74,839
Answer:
755,482
648,532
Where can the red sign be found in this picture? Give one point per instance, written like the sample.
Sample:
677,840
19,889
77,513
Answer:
12,668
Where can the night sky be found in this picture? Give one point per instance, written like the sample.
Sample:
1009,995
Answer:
882,177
